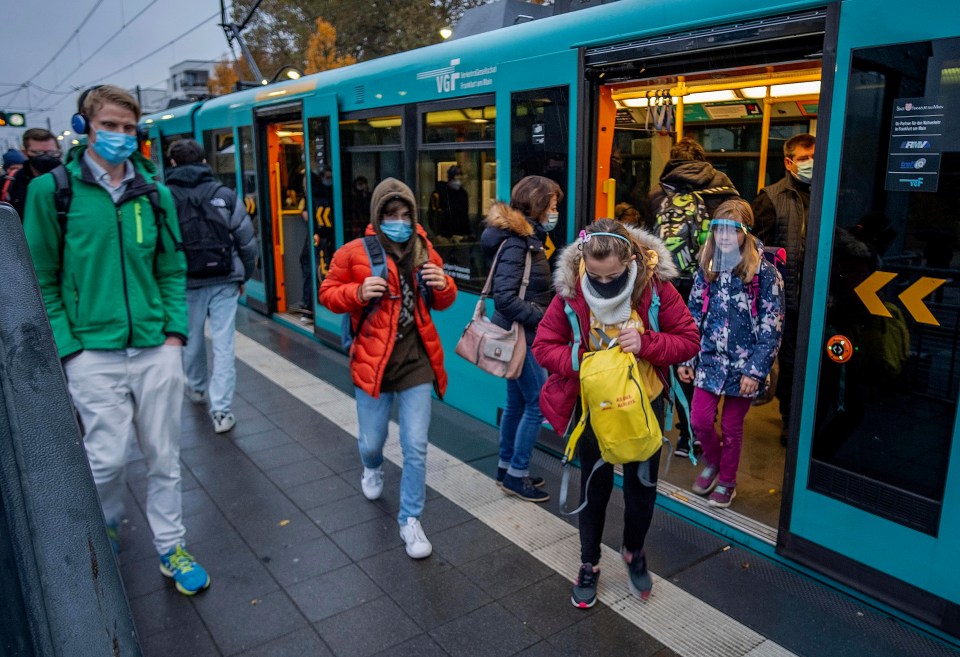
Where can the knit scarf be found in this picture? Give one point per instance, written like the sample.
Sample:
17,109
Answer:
615,310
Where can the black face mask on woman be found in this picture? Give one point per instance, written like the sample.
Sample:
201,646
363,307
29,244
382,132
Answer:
44,163
612,288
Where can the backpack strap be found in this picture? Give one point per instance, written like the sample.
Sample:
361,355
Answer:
577,338
377,258
62,196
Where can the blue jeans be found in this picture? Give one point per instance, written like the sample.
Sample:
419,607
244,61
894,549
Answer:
521,420
219,304
373,415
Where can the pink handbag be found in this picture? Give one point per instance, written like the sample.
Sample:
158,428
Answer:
496,350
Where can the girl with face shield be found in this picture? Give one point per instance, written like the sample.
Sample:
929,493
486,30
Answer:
737,301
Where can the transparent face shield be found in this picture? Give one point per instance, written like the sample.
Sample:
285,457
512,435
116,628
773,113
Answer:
727,237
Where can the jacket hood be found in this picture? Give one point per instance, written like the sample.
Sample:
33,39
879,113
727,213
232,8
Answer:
388,190
144,166
688,175
189,175
502,222
566,275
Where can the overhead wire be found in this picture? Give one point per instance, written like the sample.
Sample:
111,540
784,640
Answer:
67,42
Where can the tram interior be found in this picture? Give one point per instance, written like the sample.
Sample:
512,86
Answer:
742,118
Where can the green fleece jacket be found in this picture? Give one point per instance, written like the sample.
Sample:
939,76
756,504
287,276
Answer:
107,285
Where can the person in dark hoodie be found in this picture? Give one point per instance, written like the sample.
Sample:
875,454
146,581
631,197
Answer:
212,297
687,173
42,154
396,353
513,233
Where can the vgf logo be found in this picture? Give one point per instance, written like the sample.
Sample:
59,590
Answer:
445,77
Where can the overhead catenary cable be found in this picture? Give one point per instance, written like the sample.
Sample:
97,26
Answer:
67,42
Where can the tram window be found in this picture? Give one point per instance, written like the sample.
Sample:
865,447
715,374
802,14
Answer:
321,206
463,124
539,142
248,163
452,214
220,150
166,141
372,149
885,418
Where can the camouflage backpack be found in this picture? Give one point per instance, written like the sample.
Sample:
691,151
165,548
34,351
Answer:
683,222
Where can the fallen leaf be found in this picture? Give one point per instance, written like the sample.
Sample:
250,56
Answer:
283,523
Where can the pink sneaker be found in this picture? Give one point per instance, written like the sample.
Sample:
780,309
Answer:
706,480
722,496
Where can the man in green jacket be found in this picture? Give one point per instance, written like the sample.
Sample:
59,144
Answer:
114,285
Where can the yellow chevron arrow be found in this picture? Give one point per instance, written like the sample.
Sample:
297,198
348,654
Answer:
549,247
867,291
912,299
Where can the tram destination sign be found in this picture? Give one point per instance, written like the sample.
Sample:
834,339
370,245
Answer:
916,133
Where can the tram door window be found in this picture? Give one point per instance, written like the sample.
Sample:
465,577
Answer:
220,152
742,129
457,184
318,199
539,144
164,143
248,180
372,149
887,390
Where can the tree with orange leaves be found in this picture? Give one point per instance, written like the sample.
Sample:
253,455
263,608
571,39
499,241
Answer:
321,52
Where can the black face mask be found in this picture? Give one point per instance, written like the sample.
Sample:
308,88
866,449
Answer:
44,163
612,288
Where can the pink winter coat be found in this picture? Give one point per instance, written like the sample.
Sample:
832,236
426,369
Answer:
677,340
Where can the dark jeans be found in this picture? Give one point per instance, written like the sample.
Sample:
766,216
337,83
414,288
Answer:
787,356
308,298
638,500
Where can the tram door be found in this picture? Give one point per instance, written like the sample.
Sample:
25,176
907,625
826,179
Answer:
876,497
741,116
282,192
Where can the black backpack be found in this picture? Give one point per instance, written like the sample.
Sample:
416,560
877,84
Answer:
207,241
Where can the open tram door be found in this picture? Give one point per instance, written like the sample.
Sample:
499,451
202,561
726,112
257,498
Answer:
645,96
282,172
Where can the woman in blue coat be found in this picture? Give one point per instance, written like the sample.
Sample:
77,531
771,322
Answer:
737,301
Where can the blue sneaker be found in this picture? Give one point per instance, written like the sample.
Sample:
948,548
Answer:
187,574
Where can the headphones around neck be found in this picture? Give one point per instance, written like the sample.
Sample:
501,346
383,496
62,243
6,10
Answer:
79,121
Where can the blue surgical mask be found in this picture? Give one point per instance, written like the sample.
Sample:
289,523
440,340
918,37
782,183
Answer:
805,171
551,222
396,230
114,147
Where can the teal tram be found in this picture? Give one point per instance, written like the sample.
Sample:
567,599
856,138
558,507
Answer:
867,494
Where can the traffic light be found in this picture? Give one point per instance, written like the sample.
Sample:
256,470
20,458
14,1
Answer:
12,119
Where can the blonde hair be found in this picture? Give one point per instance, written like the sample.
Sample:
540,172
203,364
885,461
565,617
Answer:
735,209
94,100
600,247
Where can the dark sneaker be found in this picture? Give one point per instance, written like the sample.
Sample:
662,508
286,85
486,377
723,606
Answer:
697,448
183,569
537,482
683,447
722,496
639,581
523,488
584,593
706,480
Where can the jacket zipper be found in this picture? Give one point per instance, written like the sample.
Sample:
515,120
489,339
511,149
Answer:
76,296
123,273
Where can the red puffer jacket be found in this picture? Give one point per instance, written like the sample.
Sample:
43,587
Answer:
677,340
372,347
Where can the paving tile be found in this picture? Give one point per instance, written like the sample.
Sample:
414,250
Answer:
505,571
466,542
345,513
252,427
290,453
351,633
302,471
300,562
437,600
283,528
206,526
542,649
545,607
369,538
442,514
142,577
269,439
337,454
162,611
302,643
235,583
245,625
196,501
602,634
190,638
490,630
419,646
334,592
319,492
393,569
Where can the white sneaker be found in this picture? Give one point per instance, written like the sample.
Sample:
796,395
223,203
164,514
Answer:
223,421
418,547
371,482
196,396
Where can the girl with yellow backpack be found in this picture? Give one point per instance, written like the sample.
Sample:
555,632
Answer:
608,279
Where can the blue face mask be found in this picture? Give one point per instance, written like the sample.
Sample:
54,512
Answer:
396,230
551,222
114,147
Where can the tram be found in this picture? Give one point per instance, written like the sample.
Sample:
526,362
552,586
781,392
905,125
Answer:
867,493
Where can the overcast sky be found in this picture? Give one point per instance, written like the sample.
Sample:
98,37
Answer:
32,31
